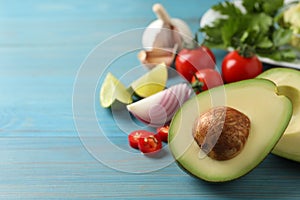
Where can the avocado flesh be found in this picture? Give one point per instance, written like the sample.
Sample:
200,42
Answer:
288,82
268,112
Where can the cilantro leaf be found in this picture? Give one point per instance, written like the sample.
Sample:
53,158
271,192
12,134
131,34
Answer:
264,42
228,30
261,21
213,35
251,6
256,28
282,36
270,7
280,55
288,55
227,8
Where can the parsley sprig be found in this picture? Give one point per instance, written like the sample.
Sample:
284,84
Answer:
256,28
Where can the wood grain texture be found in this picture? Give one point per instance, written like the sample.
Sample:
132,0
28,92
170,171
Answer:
42,46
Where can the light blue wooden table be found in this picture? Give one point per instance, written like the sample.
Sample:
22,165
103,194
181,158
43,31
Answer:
43,46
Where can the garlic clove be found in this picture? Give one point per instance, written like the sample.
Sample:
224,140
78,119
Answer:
156,56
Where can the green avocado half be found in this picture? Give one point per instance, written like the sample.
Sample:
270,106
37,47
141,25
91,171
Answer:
269,115
288,83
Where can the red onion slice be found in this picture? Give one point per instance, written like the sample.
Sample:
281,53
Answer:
158,109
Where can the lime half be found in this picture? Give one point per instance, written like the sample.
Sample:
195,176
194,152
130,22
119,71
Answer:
113,90
152,82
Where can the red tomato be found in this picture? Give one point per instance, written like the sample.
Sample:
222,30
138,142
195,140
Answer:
150,144
133,137
236,67
189,61
205,79
163,132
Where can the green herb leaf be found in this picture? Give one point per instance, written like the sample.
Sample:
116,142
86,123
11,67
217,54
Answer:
270,7
264,42
256,29
282,36
288,55
228,30
227,8
280,55
213,36
261,20
249,5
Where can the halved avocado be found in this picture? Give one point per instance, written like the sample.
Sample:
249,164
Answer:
288,83
269,115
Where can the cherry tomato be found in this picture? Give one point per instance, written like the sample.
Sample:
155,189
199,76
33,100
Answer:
236,67
133,137
150,144
205,79
163,132
189,61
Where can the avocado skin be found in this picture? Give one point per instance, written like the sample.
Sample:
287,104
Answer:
211,181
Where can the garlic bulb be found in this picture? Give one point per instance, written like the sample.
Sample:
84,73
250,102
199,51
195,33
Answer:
163,38
165,32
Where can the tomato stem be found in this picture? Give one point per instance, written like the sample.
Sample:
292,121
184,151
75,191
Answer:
196,38
197,85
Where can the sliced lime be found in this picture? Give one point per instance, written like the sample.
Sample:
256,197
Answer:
152,82
113,90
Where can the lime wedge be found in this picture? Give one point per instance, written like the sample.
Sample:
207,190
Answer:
113,90
152,82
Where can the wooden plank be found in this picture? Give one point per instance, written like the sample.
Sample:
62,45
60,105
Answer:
60,168
42,46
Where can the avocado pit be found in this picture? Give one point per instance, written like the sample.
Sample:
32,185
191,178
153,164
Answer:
221,132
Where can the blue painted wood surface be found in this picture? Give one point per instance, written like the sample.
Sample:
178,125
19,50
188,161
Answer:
43,44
